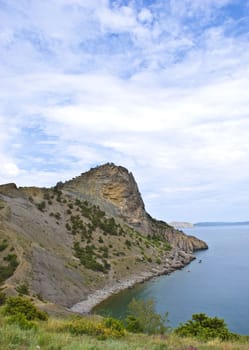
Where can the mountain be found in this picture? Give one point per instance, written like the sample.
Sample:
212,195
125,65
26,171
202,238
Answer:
84,236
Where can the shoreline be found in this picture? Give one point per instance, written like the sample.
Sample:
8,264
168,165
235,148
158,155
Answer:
94,299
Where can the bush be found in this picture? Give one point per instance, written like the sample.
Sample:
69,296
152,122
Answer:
22,322
7,271
57,216
109,327
23,289
115,325
21,307
88,257
3,245
41,206
205,328
2,298
128,243
133,325
143,318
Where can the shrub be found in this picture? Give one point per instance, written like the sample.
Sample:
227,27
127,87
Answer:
100,240
107,328
128,243
41,206
3,245
205,328
23,289
46,196
68,227
22,307
115,325
57,216
22,322
7,270
87,258
133,325
2,298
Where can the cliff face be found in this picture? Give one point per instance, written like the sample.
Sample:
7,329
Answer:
89,233
114,189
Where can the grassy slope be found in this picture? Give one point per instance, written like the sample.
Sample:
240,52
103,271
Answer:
48,337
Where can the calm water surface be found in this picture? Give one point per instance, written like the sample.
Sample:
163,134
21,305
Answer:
219,286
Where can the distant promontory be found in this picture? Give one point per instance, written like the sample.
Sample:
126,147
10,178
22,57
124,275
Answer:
180,224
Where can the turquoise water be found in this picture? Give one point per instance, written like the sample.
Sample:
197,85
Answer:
219,286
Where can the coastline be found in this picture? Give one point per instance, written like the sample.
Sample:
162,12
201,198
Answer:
86,306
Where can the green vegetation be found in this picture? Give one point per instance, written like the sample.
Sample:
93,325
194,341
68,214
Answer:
3,245
205,328
92,229
143,318
22,312
23,289
23,326
87,258
102,329
41,206
46,196
2,297
8,267
16,306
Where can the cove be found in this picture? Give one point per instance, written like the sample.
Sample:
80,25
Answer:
217,286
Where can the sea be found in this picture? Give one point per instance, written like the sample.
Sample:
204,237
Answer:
216,283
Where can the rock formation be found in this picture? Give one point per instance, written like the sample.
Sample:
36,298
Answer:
115,190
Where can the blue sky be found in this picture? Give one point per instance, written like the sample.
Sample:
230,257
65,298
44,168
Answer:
160,87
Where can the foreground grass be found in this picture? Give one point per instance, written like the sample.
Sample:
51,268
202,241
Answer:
49,336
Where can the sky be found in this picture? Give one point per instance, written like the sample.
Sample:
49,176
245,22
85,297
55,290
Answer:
158,86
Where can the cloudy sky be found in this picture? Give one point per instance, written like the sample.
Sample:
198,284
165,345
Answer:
158,86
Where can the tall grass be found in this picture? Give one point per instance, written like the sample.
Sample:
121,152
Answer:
48,336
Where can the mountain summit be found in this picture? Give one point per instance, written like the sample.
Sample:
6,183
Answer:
115,190
67,243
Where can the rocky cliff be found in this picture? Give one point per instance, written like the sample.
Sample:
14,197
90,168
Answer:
115,190
91,233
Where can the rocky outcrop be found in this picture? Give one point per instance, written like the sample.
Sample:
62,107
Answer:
114,189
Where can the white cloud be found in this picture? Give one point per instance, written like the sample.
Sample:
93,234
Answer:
145,15
10,168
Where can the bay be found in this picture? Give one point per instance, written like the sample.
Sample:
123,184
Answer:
218,286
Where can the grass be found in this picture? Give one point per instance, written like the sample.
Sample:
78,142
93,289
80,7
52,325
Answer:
49,336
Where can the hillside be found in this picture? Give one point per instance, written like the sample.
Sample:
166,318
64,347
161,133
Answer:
85,236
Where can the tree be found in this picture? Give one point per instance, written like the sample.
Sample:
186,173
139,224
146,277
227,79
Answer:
143,318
